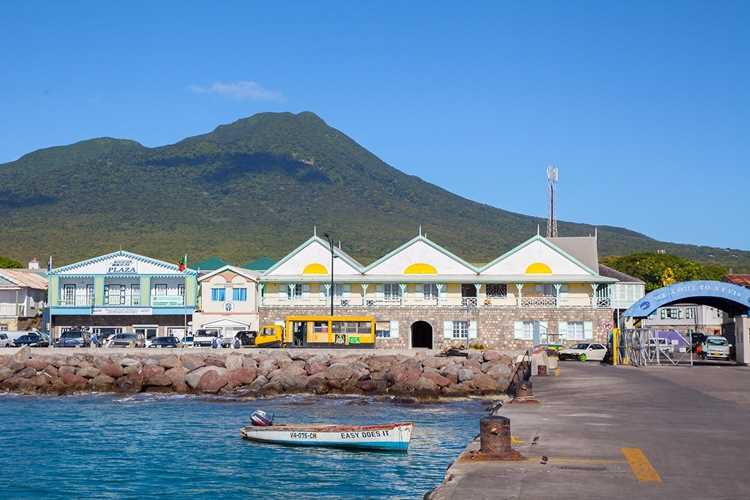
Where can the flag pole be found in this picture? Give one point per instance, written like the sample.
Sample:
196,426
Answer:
184,303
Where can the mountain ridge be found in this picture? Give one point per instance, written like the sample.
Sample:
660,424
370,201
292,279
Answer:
255,187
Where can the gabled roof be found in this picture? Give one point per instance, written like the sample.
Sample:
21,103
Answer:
583,248
315,239
738,279
23,278
238,270
427,241
545,241
260,264
120,253
618,275
210,264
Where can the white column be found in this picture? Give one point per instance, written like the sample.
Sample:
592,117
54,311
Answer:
593,295
291,292
260,293
403,292
478,286
742,339
558,286
364,293
519,295
439,287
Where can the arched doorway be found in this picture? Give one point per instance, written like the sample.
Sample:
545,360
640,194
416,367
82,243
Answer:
421,334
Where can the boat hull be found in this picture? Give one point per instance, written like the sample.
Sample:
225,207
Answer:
388,437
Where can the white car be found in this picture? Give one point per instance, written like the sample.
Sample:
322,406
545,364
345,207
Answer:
5,341
585,351
715,347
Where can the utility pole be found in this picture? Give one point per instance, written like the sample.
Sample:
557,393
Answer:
333,289
552,178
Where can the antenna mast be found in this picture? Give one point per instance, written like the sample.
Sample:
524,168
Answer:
552,178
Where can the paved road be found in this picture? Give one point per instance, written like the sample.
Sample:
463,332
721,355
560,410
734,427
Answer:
660,432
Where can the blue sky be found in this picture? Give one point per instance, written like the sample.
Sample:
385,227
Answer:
644,106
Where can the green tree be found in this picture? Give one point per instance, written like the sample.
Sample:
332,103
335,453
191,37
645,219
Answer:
8,263
658,270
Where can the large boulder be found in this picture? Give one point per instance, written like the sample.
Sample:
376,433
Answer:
240,376
381,362
338,375
26,373
88,372
132,382
317,384
5,373
73,381
103,382
437,362
111,369
51,371
192,361
249,362
194,377
212,381
22,354
233,361
313,367
215,360
155,375
258,384
169,361
465,374
267,366
484,383
177,376
36,363
492,355
435,376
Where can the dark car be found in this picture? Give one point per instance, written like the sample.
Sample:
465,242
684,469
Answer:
31,340
73,338
164,342
246,338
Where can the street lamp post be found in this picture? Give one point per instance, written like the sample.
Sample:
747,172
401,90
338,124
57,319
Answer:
333,289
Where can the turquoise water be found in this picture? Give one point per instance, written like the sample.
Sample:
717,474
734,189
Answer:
189,447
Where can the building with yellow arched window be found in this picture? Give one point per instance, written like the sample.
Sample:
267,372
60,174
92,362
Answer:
545,290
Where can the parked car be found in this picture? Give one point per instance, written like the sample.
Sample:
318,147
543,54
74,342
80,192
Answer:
5,341
164,342
125,340
715,347
187,341
32,340
585,351
205,338
73,338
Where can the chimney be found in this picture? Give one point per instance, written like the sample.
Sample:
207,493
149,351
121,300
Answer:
34,263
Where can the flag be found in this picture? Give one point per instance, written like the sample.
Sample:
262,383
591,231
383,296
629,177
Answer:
183,263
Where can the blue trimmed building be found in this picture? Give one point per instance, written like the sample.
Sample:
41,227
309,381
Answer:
121,292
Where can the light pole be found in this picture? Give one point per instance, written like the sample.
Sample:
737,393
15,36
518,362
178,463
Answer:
333,290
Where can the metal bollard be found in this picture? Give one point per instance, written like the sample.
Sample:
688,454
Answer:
494,435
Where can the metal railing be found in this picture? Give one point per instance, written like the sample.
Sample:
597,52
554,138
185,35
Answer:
544,301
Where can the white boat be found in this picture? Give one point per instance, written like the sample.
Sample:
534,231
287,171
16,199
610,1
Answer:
392,437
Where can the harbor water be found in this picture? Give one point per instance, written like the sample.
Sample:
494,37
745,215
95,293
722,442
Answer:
151,445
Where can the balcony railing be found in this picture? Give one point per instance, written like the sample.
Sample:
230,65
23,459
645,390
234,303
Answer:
543,301
469,301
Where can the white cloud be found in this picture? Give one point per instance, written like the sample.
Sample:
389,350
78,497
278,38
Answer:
243,90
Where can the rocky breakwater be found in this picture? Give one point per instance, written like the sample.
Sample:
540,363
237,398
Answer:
255,373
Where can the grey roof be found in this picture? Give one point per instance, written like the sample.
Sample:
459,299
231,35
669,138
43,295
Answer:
582,248
618,275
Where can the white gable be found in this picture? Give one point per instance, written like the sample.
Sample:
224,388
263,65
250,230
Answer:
315,253
536,252
419,252
119,263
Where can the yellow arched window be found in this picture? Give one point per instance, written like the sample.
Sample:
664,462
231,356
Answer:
315,268
420,268
538,268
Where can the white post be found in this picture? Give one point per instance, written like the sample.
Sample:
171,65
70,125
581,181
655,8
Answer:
519,295
402,286
291,291
558,286
439,287
260,293
478,286
593,295
364,293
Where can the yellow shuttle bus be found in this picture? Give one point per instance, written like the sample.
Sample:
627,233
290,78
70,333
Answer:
319,331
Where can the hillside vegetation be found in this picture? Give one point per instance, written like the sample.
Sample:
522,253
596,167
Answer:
256,187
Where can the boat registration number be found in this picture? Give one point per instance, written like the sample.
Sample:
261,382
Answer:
303,435
364,434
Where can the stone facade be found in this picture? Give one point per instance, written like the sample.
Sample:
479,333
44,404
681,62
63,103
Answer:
494,325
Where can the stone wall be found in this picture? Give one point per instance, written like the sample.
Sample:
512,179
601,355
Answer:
494,324
254,372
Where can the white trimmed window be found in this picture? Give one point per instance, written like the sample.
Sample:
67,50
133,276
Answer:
430,291
460,329
383,329
391,291
497,290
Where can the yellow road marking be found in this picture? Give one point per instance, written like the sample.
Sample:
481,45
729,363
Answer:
515,440
641,467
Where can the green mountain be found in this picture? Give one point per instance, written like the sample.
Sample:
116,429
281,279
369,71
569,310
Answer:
254,188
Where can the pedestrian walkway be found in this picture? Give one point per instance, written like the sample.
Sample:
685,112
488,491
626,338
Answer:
605,432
